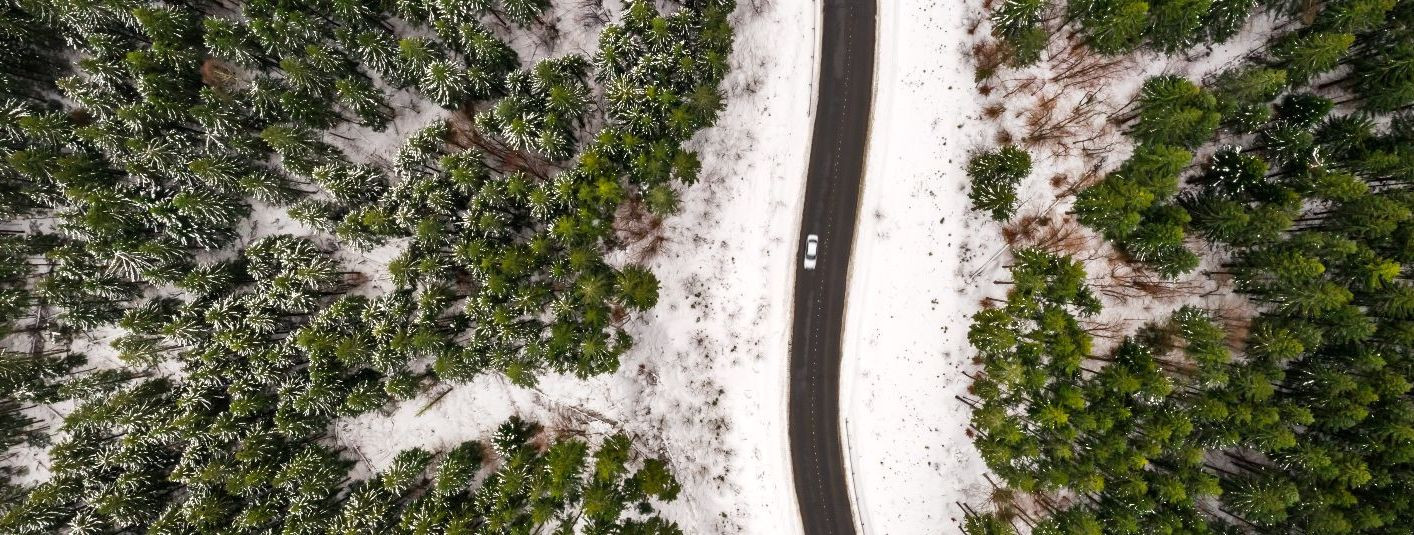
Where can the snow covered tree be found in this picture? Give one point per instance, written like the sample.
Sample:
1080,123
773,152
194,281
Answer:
231,41
524,12
366,103
1018,24
1175,25
352,185
446,83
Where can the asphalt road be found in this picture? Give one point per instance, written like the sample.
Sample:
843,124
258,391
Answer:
845,90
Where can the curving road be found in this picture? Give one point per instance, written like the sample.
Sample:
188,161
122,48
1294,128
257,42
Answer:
837,150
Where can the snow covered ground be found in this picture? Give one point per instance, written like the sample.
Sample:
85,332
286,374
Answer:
1063,111
705,383
923,261
912,286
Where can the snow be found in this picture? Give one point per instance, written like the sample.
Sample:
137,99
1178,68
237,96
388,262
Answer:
910,294
923,262
705,384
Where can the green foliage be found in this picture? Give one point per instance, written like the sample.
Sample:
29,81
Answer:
1353,16
1382,79
1017,23
524,12
994,176
458,469
1175,25
638,287
1289,430
1261,500
1112,26
1130,205
1174,111
1243,93
1169,26
1114,206
1288,422
541,107
1225,18
1308,55
987,524
1129,208
407,467
1304,109
1043,425
144,136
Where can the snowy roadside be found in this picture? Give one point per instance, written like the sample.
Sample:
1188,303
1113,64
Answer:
912,284
706,381
923,262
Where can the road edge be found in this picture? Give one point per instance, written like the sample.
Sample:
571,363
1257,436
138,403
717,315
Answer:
847,361
787,291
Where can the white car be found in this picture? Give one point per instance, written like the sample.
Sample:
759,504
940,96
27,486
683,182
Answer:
812,245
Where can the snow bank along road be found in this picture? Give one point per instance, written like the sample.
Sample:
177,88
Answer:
837,154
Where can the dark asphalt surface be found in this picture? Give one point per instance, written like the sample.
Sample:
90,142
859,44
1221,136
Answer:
837,150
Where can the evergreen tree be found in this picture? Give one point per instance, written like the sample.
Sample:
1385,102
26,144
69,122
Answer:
1306,56
1018,23
994,176
1112,26
1176,24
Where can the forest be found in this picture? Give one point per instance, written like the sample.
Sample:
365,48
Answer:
1286,175
140,140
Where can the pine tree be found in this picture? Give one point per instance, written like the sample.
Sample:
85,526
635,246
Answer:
1353,16
1225,18
445,83
986,524
1249,85
1232,174
231,41
1158,241
299,149
1112,206
1308,55
1015,17
1382,78
1176,24
458,469
1263,500
662,200
1018,24
524,12
1287,143
380,51
359,97
352,185
1304,109
637,287
1114,26
407,467
994,176
1174,111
